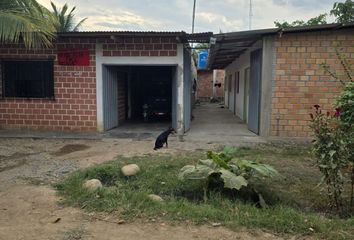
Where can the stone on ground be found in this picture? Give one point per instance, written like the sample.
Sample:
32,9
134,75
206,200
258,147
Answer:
130,170
155,198
93,184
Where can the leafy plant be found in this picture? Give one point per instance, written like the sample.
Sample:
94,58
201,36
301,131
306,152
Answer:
234,172
331,151
333,137
65,21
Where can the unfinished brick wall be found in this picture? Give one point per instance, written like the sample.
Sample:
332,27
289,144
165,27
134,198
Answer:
140,46
122,77
205,85
74,106
300,82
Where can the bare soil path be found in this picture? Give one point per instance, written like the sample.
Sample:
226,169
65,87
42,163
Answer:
30,209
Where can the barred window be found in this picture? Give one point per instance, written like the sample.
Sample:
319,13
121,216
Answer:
27,78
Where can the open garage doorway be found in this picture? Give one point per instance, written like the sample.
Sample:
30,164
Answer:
139,96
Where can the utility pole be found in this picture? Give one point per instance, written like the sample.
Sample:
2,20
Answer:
193,16
250,16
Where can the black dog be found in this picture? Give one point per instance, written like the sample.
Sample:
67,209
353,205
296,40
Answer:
162,138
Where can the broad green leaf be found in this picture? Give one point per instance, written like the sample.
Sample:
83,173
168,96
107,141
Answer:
231,180
263,169
217,159
195,172
210,163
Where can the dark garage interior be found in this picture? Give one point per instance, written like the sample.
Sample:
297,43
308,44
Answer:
150,94
138,95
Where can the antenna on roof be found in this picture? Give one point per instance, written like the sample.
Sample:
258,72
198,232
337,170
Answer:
193,16
250,16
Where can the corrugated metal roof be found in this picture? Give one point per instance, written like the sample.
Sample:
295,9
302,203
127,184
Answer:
229,46
194,37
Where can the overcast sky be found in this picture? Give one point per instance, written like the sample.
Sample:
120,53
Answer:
176,15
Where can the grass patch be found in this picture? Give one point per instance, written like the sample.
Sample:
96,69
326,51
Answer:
296,203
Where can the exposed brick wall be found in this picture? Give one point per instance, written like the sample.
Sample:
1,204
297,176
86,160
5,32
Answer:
220,78
205,85
140,46
300,82
121,96
74,106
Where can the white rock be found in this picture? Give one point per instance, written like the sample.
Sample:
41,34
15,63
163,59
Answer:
155,198
93,184
130,170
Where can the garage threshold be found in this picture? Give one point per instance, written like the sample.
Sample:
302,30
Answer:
139,131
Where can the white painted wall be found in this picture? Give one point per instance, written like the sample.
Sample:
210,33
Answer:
232,92
240,65
146,61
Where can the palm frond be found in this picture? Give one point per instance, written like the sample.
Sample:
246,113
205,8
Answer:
25,20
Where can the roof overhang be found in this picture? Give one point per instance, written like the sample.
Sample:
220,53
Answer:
180,36
230,46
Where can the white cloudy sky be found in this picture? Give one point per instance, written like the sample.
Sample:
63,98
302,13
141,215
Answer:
176,15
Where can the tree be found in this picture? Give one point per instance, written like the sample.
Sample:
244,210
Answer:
65,21
27,21
320,19
344,12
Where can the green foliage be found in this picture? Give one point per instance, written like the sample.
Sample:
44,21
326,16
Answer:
291,213
65,21
344,12
320,19
27,21
334,138
234,172
331,151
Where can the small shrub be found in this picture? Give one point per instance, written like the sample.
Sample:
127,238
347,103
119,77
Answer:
233,172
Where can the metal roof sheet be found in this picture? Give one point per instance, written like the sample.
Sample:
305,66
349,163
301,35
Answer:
229,46
185,37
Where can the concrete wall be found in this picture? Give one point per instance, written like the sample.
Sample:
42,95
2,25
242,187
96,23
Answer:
106,54
268,76
239,65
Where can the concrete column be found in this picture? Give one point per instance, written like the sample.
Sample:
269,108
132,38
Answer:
180,91
99,88
268,76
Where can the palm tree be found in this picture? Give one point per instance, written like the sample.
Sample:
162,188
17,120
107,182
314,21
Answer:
25,21
65,22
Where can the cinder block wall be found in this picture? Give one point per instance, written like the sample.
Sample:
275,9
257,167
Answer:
74,106
300,82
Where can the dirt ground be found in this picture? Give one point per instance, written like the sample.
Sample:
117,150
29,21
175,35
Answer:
30,209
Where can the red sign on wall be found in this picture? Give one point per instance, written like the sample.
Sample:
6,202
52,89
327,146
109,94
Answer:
74,57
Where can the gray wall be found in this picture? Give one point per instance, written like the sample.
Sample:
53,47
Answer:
268,76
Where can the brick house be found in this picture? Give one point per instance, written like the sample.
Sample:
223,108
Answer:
210,85
273,76
94,81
